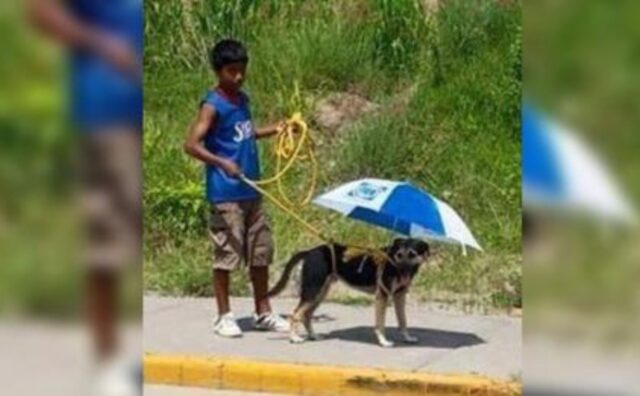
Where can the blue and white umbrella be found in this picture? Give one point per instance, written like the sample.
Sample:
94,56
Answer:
559,171
399,207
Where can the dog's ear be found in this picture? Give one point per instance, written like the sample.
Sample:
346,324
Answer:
422,248
398,241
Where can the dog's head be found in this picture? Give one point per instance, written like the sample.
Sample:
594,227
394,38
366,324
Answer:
408,253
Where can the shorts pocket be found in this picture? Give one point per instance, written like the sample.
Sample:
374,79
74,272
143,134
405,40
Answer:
225,229
217,221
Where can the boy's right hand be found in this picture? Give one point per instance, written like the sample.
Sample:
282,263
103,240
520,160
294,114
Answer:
119,54
231,168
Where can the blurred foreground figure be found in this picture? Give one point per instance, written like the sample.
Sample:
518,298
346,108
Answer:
580,251
104,41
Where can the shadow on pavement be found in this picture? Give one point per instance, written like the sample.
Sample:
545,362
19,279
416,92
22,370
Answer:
246,323
431,338
428,338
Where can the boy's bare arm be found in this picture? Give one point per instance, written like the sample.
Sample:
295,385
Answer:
54,19
194,147
269,130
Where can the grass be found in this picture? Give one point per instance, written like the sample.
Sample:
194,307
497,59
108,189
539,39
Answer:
37,274
449,93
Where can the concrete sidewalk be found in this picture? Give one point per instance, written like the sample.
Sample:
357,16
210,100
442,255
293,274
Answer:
450,342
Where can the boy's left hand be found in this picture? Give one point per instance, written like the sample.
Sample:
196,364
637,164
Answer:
280,126
272,129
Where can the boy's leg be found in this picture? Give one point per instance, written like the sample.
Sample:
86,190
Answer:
221,290
226,229
260,282
102,292
110,193
259,255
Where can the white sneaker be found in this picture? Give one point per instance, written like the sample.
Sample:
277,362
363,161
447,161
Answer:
226,326
117,377
271,321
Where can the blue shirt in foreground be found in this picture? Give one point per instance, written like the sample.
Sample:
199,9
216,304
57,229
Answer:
101,96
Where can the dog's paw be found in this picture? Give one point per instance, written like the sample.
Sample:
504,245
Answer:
382,340
316,337
409,339
296,339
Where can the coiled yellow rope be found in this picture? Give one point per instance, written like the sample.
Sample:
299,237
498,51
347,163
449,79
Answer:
293,144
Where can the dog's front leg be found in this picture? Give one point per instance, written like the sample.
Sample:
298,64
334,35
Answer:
381,309
400,305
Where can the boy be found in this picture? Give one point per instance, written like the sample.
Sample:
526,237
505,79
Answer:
223,137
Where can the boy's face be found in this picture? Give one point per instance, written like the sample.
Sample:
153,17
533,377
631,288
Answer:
232,75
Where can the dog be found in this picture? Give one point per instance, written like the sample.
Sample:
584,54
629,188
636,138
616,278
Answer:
403,259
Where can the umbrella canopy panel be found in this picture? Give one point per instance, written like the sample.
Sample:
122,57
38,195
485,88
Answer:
399,207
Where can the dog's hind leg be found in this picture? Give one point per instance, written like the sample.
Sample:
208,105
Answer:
299,315
309,313
311,334
314,277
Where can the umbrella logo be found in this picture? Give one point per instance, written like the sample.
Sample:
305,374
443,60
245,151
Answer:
367,191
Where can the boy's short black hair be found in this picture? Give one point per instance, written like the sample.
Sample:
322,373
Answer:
227,51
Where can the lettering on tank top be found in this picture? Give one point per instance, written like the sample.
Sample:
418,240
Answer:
243,131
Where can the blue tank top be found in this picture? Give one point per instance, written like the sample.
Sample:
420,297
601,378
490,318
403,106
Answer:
231,137
100,95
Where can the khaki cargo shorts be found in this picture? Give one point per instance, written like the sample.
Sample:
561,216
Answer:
240,235
109,168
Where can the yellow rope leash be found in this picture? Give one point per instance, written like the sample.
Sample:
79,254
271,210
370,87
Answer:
293,144
309,227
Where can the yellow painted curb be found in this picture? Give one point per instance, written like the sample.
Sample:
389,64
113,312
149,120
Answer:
303,379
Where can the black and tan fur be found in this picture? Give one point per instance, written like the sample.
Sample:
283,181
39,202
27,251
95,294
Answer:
361,273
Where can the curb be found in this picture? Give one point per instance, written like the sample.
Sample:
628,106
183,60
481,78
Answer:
304,379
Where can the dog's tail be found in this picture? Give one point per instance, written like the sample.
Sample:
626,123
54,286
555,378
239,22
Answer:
286,274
